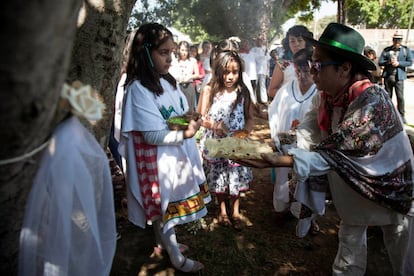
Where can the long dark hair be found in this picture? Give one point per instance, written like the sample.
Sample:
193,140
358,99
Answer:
217,82
185,44
140,67
296,31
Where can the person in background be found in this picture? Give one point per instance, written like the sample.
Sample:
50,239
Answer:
284,71
377,73
185,71
355,135
294,100
262,67
197,82
174,53
166,184
272,61
115,135
395,59
226,108
206,48
249,59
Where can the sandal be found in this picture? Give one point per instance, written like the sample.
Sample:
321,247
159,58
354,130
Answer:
190,266
314,229
158,250
237,223
224,220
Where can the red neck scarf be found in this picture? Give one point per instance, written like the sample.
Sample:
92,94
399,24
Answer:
343,99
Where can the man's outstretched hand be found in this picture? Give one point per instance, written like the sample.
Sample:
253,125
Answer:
269,160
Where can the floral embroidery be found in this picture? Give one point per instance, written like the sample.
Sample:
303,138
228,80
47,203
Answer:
369,124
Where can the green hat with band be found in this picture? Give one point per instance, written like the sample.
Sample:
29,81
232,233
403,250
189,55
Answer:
345,42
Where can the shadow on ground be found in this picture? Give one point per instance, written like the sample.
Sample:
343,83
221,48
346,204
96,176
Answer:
267,245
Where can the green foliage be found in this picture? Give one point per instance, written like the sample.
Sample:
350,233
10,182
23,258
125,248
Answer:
151,11
371,14
305,9
320,25
218,19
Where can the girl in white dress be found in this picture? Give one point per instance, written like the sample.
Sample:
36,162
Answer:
165,179
289,107
185,70
226,107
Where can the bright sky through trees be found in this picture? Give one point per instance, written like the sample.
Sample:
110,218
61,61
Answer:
327,9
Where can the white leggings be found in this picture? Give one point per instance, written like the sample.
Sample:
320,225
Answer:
409,257
169,242
351,258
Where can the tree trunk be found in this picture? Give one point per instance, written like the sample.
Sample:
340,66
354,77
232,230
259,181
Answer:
35,49
97,54
36,45
341,14
264,20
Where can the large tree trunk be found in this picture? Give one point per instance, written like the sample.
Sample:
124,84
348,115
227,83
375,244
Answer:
263,14
36,45
97,53
36,40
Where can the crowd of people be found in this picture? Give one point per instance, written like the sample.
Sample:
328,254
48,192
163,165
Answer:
341,145
334,126
331,137
257,66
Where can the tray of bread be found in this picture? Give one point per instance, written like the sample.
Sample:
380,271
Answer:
237,148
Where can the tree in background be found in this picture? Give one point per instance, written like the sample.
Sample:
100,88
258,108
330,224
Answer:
145,11
216,20
238,18
382,14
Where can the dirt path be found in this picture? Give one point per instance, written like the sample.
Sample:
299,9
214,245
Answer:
267,245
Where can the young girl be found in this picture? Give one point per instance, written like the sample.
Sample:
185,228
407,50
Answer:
164,170
226,105
186,70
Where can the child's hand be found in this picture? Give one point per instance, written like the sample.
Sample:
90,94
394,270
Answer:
220,129
192,129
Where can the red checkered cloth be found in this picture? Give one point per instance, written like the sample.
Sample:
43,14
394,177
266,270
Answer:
146,163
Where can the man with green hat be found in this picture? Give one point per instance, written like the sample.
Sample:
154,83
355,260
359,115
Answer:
395,59
355,136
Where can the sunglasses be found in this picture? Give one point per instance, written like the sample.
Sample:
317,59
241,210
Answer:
318,65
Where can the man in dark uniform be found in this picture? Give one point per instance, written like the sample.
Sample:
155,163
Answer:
395,59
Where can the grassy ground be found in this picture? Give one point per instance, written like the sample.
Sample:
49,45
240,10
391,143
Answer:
267,245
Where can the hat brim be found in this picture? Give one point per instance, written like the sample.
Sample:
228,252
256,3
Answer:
359,59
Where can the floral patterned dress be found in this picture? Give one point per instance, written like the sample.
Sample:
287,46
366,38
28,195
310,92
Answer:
223,175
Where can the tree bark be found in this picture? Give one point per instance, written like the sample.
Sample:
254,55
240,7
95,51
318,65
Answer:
97,54
37,39
341,14
35,51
